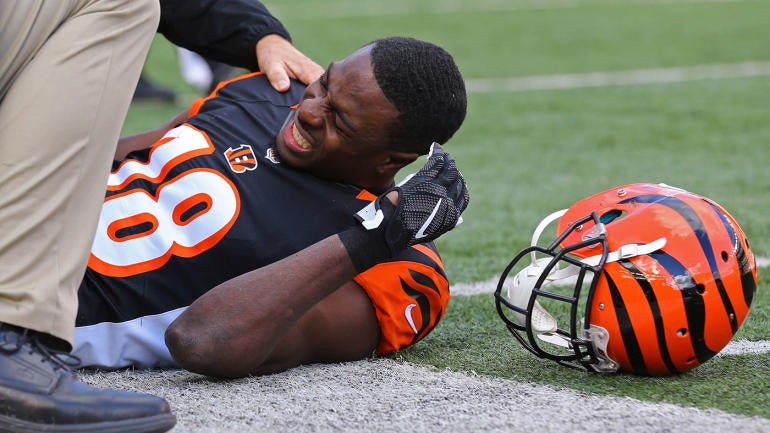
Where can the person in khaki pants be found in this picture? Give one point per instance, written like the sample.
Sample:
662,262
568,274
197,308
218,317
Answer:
68,69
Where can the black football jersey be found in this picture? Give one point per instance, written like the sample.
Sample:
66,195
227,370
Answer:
206,203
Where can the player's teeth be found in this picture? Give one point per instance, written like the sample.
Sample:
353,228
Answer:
299,138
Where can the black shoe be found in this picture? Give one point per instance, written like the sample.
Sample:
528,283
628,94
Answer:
146,90
38,392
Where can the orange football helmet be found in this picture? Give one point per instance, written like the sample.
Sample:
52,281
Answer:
649,279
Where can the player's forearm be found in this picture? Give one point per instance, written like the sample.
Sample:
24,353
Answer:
233,328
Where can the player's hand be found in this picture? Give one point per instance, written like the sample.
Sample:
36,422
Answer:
430,203
281,61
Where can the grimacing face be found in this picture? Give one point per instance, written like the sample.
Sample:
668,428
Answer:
338,131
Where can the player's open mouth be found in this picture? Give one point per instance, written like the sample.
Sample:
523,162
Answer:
294,139
298,137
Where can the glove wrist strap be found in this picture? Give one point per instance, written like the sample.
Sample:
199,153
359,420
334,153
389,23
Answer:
367,242
365,247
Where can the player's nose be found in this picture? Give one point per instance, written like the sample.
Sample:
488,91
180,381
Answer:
311,110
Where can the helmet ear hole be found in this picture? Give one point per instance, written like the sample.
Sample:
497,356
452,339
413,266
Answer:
725,256
611,215
681,332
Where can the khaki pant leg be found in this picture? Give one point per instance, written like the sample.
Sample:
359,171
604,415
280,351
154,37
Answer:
69,69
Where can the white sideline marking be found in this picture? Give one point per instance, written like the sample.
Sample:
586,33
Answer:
745,347
619,78
359,9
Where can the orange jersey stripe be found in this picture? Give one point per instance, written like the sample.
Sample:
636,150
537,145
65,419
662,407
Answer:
198,103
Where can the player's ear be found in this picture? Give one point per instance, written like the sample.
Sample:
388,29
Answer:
397,160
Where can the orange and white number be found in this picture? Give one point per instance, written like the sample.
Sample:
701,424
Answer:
139,232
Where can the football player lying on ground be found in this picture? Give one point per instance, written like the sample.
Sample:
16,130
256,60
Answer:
266,231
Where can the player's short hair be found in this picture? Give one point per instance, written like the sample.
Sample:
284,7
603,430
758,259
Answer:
423,82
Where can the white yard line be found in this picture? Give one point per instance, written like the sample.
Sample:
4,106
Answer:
367,9
620,78
745,347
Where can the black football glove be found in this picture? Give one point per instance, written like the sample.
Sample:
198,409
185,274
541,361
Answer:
430,203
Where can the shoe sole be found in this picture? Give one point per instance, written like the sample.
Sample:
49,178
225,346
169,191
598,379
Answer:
153,424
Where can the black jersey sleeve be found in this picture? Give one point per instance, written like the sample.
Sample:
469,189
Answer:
222,30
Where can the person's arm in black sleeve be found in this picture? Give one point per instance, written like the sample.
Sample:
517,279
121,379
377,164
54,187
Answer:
240,33
222,30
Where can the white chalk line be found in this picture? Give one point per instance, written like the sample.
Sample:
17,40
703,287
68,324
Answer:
620,78
372,9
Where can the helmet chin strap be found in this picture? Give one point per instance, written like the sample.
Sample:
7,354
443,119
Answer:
627,251
541,227
519,292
